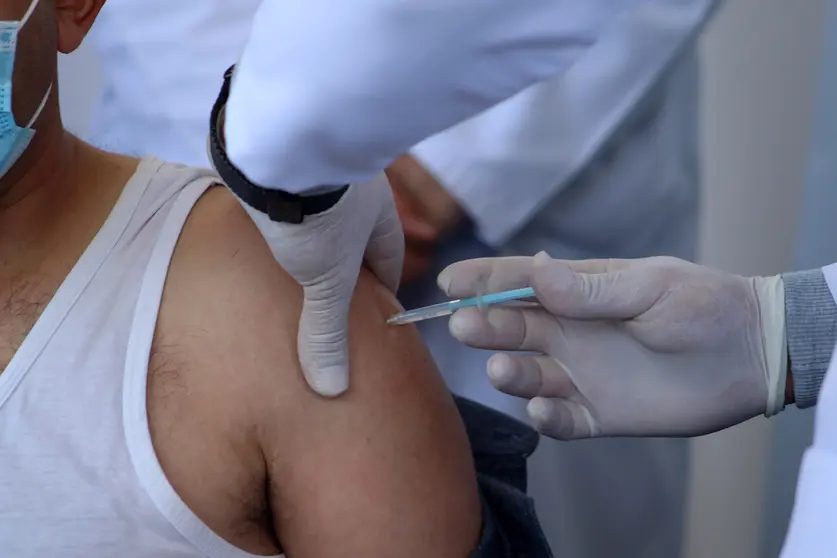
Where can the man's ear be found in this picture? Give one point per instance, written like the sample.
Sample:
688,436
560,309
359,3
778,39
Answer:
74,19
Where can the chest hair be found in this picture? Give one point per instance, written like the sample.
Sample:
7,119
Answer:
22,301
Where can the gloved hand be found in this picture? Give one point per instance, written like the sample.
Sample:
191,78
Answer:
330,93
648,347
324,255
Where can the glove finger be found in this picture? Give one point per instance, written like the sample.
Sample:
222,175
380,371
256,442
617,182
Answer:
616,295
323,340
385,251
505,329
529,376
485,275
473,277
561,419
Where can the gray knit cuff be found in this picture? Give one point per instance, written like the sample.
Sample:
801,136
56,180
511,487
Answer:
811,326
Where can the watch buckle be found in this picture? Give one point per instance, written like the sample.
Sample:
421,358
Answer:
284,211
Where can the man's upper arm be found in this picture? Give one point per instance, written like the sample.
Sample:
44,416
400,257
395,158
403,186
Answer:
386,469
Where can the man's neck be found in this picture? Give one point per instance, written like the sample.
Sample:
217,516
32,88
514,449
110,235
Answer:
32,182
57,196
52,204
40,162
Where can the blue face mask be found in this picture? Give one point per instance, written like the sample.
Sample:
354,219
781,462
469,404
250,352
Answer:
13,139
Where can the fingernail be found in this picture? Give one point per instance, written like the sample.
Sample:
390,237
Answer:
538,407
443,281
540,412
465,325
499,371
330,384
457,325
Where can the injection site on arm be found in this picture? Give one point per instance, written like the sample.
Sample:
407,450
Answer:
385,470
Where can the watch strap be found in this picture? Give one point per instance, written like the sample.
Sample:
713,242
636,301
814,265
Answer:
280,206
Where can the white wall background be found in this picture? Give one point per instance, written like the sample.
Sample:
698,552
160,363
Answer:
760,57
79,77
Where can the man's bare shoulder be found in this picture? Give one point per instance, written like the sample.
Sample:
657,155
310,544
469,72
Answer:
202,426
337,470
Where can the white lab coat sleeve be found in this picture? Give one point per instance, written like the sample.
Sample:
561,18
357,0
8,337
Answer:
503,164
329,93
811,533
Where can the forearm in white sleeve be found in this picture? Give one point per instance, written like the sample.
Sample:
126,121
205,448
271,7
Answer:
502,164
507,162
330,93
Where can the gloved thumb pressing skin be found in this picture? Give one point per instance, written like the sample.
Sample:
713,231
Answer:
648,347
324,254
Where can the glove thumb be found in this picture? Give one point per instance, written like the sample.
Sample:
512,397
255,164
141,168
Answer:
323,343
385,250
610,295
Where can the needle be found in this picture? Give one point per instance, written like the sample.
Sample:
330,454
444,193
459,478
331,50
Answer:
448,308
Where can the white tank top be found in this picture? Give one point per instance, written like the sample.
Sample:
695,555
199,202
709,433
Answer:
78,472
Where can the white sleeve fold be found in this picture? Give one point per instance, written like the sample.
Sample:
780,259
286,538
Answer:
330,92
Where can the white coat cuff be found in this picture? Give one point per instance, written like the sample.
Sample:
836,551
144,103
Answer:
499,196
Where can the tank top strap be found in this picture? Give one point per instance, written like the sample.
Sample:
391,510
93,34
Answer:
108,240
134,404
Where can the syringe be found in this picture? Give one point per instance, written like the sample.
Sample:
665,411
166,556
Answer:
448,308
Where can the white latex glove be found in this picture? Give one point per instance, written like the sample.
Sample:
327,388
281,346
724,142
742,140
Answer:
648,347
324,254
330,93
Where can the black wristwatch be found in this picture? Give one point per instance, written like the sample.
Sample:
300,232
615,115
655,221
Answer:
280,206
